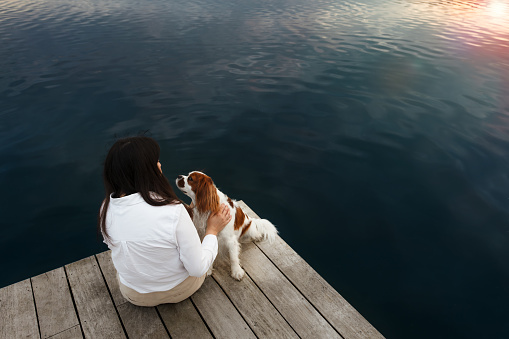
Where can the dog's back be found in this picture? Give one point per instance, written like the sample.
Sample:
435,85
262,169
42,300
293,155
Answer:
206,200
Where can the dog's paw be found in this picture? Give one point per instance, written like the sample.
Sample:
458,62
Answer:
238,273
209,272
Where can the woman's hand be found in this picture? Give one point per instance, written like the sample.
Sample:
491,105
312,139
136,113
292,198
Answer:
218,221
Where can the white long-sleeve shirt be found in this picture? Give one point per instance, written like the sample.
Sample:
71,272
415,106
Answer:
155,248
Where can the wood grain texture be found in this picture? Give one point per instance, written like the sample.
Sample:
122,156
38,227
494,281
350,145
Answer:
183,320
345,318
219,313
110,274
96,311
260,314
17,316
280,297
71,333
141,322
299,313
55,309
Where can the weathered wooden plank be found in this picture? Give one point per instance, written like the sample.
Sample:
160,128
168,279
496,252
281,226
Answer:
259,313
139,322
299,313
71,333
110,274
277,276
183,320
345,318
17,317
97,314
55,309
219,313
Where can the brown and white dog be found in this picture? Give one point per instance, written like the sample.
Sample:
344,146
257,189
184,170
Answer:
206,200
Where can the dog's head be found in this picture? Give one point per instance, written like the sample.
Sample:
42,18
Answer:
201,189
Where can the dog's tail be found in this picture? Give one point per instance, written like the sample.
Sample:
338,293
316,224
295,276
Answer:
262,229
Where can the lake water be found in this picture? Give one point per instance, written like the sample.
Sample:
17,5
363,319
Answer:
374,133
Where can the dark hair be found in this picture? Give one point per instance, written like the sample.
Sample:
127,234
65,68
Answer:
131,167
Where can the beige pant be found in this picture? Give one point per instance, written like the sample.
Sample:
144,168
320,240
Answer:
180,292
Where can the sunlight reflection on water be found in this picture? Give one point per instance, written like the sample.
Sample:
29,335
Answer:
388,117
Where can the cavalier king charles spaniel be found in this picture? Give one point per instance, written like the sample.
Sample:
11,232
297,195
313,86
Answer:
206,200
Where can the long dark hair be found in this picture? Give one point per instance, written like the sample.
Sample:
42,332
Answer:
131,167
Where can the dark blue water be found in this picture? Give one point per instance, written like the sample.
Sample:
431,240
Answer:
374,133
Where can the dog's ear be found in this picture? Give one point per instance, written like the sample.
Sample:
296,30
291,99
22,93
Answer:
189,210
206,196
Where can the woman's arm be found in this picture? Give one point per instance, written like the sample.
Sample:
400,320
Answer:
218,221
198,257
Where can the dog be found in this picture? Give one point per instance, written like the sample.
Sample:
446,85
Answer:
206,200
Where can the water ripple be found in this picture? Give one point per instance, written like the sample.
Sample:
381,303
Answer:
402,102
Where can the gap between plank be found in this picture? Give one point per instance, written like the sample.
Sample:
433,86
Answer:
162,321
35,306
238,311
291,282
111,296
270,301
202,319
67,329
73,302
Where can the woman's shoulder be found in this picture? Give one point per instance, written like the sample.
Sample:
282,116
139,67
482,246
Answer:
175,207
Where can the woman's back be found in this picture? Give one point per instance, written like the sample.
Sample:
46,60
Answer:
154,245
143,243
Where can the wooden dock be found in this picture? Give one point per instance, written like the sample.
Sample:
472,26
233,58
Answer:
281,296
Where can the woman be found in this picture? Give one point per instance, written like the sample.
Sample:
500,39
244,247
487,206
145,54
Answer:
154,245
